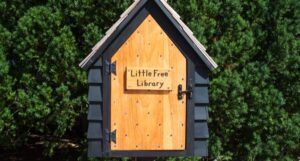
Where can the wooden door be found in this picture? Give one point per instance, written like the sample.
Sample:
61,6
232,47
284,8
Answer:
148,119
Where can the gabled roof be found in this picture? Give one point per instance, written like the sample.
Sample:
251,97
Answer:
128,14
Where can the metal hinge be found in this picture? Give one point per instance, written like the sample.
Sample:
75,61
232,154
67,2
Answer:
110,67
110,136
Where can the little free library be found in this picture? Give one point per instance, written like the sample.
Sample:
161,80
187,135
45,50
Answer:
148,86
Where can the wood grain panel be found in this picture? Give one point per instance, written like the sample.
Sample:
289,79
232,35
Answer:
148,120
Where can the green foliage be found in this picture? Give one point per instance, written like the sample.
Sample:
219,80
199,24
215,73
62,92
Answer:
254,111
7,126
255,92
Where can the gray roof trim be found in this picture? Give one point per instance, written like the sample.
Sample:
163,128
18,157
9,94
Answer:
203,55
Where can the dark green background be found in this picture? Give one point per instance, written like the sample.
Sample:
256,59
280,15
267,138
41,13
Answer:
255,92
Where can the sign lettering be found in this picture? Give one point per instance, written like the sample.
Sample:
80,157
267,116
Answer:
148,79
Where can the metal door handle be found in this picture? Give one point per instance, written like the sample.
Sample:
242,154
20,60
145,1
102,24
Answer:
188,92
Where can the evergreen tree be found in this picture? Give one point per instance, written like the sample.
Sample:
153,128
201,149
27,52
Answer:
254,94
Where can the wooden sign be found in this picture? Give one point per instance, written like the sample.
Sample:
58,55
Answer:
148,79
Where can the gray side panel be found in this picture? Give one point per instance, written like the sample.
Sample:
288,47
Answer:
95,76
95,113
201,130
201,113
201,148
95,148
94,130
201,95
95,94
201,75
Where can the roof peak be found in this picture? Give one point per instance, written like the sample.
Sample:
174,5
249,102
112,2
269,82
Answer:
132,10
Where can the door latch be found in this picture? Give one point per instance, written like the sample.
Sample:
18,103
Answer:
188,92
